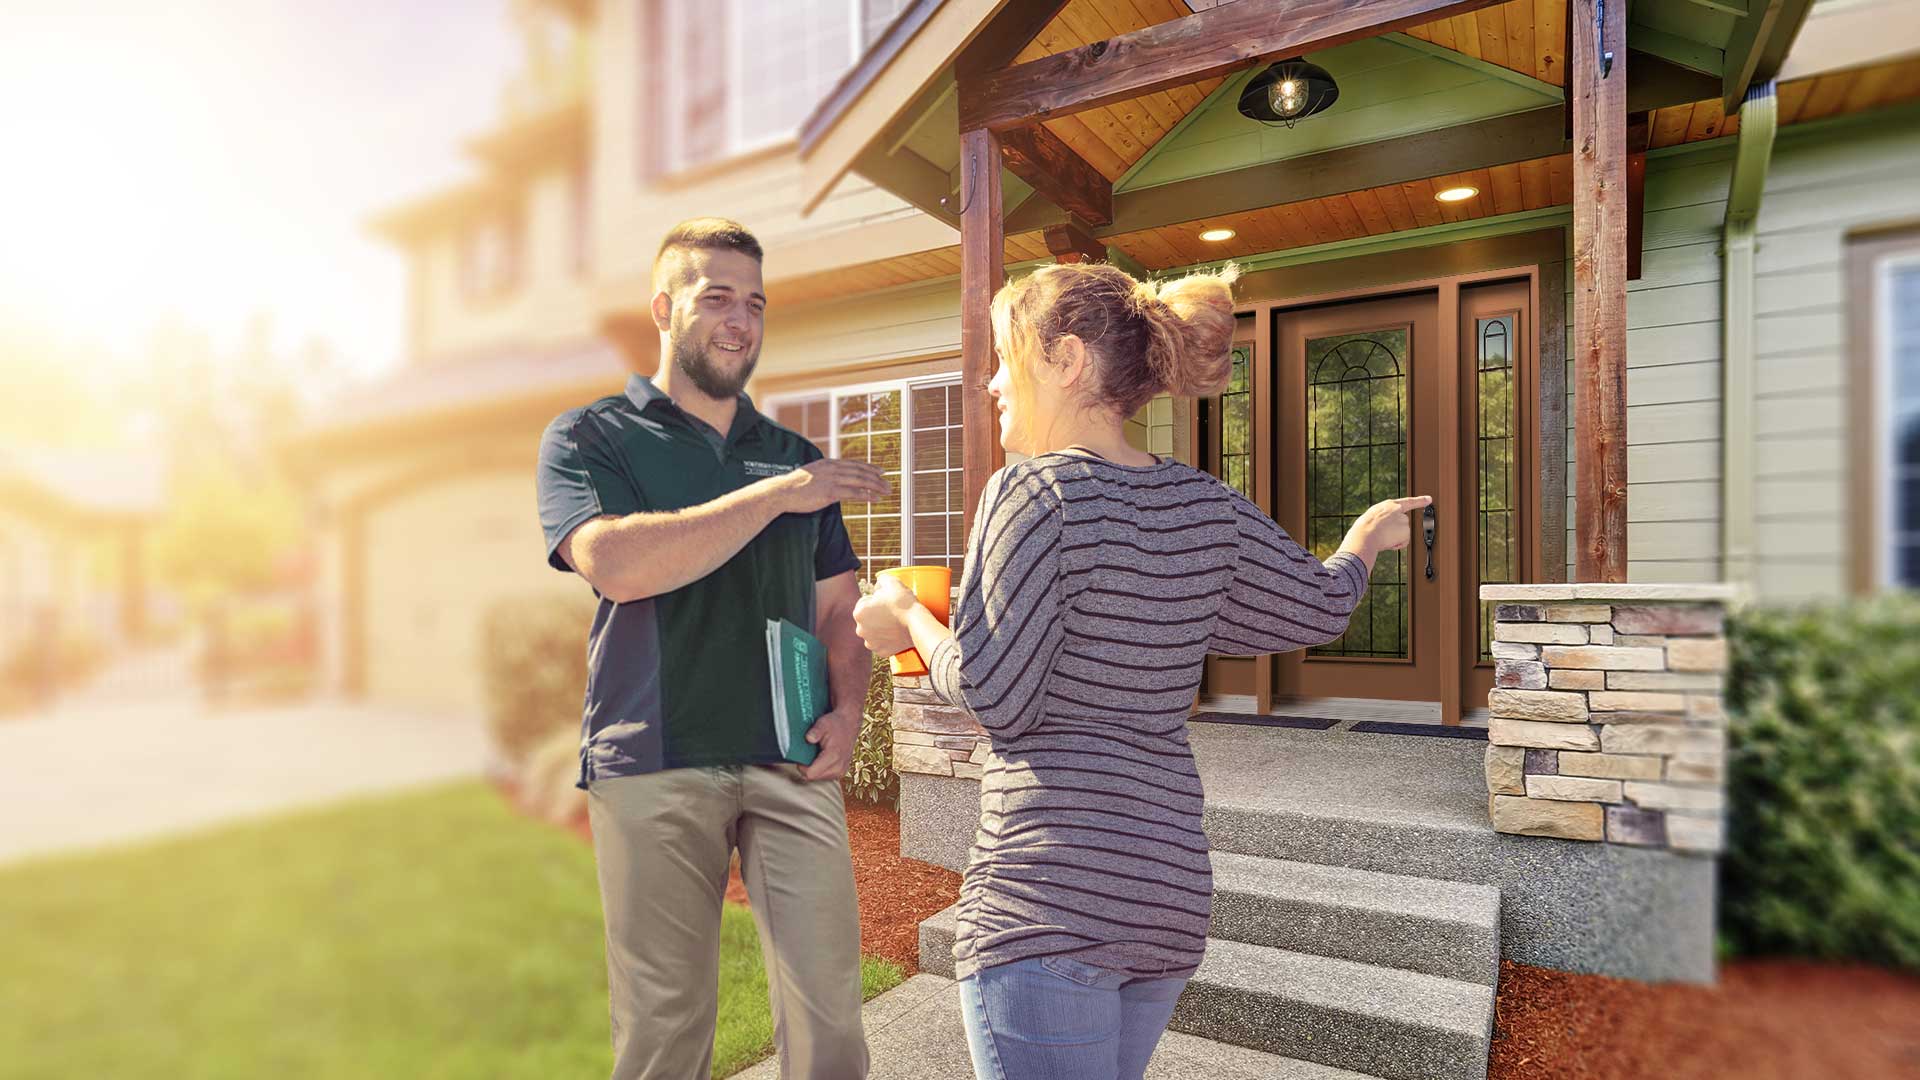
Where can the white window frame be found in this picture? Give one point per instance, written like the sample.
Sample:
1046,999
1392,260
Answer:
1887,486
738,145
834,393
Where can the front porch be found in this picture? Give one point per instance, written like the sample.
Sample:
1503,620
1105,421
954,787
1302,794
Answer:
1362,903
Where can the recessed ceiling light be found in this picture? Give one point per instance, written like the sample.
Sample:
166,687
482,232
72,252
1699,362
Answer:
1217,235
1456,194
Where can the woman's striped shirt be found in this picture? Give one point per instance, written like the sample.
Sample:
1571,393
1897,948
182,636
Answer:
1092,595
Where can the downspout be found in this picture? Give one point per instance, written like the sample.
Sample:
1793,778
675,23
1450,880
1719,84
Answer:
1752,156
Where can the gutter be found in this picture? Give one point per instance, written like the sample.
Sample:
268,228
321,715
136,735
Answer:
1759,122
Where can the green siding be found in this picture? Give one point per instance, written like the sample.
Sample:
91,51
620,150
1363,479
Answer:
1389,87
1673,376
1823,183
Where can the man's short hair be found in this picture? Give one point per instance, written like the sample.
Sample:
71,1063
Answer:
670,264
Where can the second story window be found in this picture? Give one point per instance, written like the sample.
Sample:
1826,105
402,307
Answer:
728,77
490,256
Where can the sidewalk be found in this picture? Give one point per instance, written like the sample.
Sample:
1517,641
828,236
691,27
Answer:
107,768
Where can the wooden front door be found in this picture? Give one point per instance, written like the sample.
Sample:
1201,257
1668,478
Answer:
1359,419
1337,404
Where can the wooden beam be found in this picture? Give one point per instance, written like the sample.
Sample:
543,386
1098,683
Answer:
1502,140
1758,46
1074,242
911,177
981,274
1599,290
1678,50
1181,51
1043,160
1637,134
1658,83
998,42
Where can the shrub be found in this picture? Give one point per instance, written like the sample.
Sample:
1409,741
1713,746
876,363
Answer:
534,651
1823,853
871,777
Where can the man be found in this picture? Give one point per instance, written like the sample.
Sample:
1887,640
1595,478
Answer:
696,519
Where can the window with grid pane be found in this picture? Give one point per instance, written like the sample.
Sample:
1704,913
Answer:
866,424
1226,423
939,478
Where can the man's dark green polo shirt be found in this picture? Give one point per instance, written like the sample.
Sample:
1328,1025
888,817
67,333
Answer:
680,679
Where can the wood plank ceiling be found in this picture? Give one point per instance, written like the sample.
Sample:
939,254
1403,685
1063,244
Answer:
1504,189
1113,137
1113,141
1527,36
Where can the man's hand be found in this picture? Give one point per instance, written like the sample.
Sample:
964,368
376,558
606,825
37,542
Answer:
835,733
822,483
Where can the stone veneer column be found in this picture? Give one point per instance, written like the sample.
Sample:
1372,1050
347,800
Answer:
931,737
1606,719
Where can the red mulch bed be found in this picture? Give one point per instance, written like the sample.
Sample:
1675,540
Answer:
1765,1020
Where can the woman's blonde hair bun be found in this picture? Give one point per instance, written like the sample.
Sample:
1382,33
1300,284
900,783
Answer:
1193,323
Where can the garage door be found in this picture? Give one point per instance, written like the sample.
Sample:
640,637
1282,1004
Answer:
437,559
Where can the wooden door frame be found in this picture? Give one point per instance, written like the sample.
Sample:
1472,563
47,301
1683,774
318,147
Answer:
1540,259
1526,367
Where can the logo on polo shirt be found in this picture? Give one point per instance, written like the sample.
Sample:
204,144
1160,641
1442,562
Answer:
766,468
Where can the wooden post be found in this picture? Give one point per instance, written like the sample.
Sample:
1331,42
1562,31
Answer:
1599,95
981,272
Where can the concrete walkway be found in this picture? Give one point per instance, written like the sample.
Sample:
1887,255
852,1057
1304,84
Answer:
914,1032
108,768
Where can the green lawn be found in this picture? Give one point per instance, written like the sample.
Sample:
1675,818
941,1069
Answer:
427,935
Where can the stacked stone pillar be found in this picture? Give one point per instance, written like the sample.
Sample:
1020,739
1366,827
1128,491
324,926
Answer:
931,737
1606,720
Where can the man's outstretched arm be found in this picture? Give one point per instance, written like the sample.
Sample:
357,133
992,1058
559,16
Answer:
635,556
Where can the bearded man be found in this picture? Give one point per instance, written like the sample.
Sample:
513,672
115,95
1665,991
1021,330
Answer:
696,519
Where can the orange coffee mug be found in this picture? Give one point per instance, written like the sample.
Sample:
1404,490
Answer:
932,585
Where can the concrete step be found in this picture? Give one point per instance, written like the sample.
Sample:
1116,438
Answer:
1371,840
1400,1025
1445,928
914,1032
1379,1021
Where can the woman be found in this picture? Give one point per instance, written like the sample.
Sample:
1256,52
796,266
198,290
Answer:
1098,579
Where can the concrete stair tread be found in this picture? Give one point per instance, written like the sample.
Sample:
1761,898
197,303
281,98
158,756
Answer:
1429,898
1406,998
1445,928
914,1032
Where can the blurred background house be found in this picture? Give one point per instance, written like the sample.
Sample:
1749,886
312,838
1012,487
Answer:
528,284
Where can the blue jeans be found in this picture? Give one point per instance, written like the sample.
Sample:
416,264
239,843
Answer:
1055,1018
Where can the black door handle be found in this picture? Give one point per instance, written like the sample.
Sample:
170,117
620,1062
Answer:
1427,525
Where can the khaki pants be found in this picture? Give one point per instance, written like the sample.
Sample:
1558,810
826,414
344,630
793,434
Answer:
663,842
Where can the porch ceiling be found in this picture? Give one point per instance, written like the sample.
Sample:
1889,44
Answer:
1527,36
1114,137
1374,211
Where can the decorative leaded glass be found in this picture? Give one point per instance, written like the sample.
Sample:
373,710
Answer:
1498,479
1357,456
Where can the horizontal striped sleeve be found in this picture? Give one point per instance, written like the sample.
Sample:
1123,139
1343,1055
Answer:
1010,627
1282,598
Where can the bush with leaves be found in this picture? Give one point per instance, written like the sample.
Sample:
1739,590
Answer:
871,777
1823,855
534,651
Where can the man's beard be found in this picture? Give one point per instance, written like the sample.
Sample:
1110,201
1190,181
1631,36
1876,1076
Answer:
697,364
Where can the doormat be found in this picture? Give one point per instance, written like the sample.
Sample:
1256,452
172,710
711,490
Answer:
1311,723
1384,727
